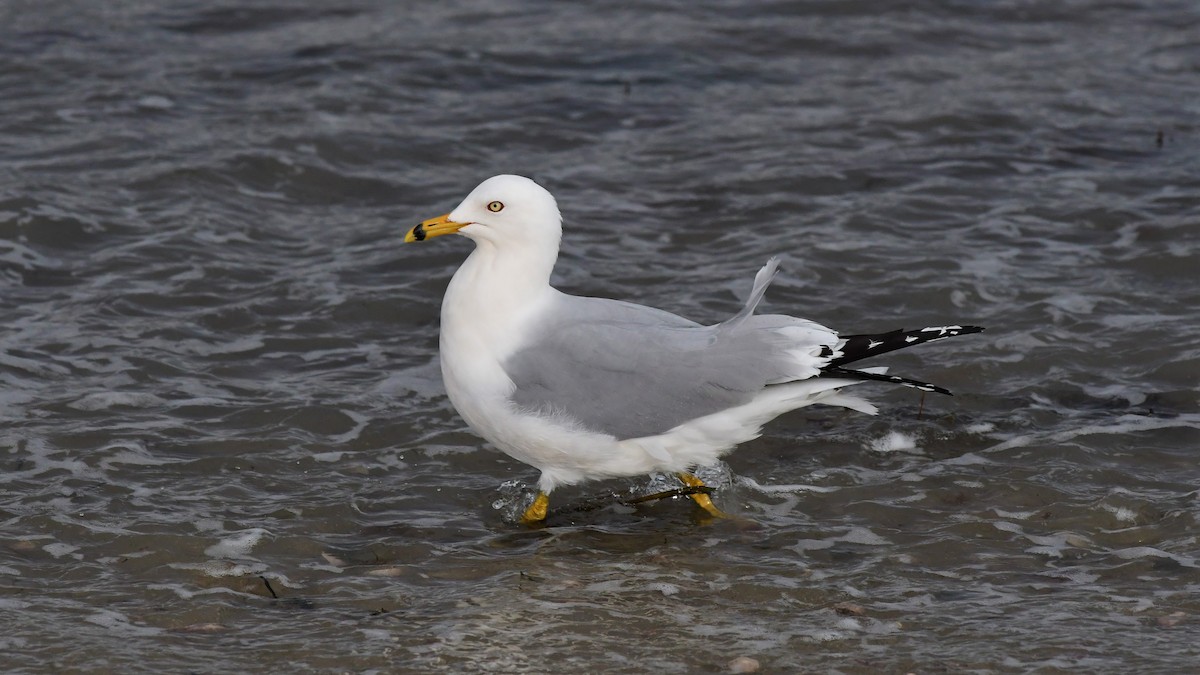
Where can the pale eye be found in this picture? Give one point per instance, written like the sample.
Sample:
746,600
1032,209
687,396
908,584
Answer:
495,206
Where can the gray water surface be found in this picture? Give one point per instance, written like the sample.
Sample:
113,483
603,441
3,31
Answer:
224,440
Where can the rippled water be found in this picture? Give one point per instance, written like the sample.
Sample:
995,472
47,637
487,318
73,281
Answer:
224,438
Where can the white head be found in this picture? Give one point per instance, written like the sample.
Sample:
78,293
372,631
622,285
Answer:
504,211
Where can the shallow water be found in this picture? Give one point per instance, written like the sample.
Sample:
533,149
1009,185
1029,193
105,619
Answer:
226,446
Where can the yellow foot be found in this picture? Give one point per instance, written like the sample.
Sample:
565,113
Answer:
701,499
536,513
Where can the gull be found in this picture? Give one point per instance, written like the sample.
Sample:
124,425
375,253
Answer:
585,388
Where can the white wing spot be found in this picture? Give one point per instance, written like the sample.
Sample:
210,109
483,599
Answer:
942,329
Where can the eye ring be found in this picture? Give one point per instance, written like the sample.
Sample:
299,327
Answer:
496,207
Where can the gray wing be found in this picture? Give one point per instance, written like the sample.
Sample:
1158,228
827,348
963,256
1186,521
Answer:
631,371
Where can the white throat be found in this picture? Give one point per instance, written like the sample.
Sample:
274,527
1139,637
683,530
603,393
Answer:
494,293
492,296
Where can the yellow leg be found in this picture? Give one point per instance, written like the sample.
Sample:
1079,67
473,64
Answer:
700,498
537,511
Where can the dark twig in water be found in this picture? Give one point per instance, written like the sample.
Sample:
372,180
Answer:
678,492
597,504
267,583
921,408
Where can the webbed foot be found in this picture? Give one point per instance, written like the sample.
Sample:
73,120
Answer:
701,498
536,513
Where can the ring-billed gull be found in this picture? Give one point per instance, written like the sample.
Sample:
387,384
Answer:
586,388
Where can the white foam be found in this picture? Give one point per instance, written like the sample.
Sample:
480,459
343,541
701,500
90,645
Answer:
184,593
893,441
1133,396
1121,513
134,453
120,623
322,567
117,559
797,487
1077,575
155,102
12,403
1135,552
610,586
1070,303
1015,515
852,591
237,546
207,525
966,459
223,568
25,257
60,549
812,545
663,587
1059,541
861,535
103,400
202,348
360,423
42,458
828,635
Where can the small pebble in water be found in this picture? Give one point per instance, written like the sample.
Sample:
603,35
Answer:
202,628
334,560
849,609
387,572
1170,620
744,664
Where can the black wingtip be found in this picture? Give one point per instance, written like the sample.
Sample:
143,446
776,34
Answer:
857,347
846,373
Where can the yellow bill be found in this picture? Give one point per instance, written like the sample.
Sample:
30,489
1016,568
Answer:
434,227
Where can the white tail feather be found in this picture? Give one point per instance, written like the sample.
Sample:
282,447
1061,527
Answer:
761,281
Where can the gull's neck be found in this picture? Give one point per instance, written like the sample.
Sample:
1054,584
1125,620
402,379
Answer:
493,294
